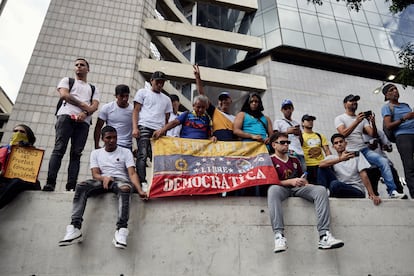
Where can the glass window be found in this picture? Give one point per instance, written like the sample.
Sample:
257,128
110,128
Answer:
310,24
387,57
293,38
341,11
373,18
370,6
273,39
289,19
358,16
333,46
314,42
256,28
397,41
364,35
265,4
380,38
328,27
307,6
290,3
390,22
346,31
370,53
270,20
352,50
325,8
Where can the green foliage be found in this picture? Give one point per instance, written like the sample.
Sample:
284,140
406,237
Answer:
406,75
396,5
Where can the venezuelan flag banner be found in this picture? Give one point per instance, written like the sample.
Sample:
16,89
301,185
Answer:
201,167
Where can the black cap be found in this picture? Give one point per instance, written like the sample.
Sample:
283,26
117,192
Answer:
351,97
223,96
307,117
386,88
158,75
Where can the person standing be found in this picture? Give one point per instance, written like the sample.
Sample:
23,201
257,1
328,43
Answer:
399,117
73,120
175,101
112,170
118,114
220,115
315,147
352,126
291,127
151,112
291,183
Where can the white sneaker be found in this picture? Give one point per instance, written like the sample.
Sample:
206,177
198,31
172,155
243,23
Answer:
280,243
329,242
120,238
144,187
73,235
398,195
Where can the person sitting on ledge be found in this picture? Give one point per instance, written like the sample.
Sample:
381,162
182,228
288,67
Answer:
11,187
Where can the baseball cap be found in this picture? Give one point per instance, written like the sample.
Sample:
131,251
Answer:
351,97
308,117
286,102
158,75
223,95
386,88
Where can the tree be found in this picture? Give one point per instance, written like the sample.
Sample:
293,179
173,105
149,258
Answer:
396,5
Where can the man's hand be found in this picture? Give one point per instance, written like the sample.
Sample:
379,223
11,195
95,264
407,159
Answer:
375,199
106,181
157,134
135,132
196,71
346,156
299,182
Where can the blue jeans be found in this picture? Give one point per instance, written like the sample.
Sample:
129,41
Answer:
67,129
121,187
383,164
327,178
405,146
144,151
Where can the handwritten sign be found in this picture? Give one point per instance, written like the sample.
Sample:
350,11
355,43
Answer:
24,163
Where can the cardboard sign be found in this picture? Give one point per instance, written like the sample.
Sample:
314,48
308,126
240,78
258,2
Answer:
24,163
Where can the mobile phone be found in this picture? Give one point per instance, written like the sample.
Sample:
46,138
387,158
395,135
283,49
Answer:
367,114
356,153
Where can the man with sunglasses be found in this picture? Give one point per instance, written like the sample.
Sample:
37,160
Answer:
73,120
292,183
348,176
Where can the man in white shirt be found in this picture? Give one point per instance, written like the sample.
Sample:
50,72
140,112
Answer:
151,112
350,171
112,170
175,101
118,114
292,128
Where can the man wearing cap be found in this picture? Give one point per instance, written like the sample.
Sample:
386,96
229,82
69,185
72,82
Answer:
220,115
352,126
292,128
175,101
315,147
399,117
151,112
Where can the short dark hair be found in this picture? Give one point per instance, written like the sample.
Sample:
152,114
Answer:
337,135
121,89
174,98
87,63
276,136
107,129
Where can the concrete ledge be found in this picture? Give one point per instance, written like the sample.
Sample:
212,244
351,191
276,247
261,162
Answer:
204,236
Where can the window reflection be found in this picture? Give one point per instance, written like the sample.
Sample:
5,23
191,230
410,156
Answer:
387,57
352,50
293,38
314,42
325,8
289,19
273,39
290,3
364,35
328,27
310,24
346,31
380,38
333,46
370,53
373,18
270,20
341,11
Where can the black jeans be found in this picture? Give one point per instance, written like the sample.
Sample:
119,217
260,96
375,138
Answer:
77,132
405,146
144,151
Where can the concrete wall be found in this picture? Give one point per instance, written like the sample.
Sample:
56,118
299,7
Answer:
204,236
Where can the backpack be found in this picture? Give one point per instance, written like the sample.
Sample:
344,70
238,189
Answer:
71,82
389,132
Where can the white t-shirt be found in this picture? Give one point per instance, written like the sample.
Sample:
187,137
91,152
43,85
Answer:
119,118
282,126
354,140
115,163
174,132
348,171
81,91
154,106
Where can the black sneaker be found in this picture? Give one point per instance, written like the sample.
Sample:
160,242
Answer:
48,188
70,187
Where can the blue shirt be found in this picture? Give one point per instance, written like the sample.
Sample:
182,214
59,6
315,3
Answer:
399,111
195,127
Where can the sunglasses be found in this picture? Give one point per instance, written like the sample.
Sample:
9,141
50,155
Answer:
284,142
19,130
